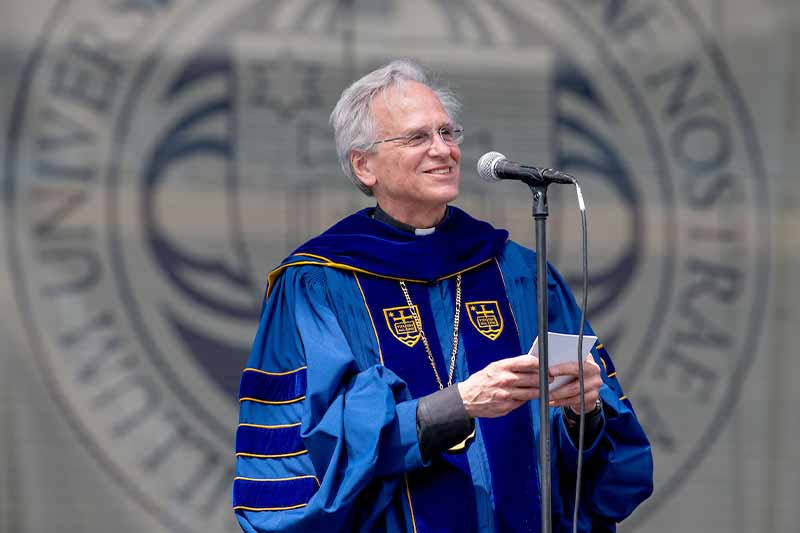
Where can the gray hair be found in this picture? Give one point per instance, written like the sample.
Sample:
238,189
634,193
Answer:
353,124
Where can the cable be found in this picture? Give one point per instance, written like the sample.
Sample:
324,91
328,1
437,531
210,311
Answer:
582,418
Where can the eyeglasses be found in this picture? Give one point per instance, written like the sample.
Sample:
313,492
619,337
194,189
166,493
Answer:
450,135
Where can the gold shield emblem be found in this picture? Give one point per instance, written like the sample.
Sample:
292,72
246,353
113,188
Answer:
486,318
402,324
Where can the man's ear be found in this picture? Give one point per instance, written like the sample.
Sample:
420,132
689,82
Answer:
361,167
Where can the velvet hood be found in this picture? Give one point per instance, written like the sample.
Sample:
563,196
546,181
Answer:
363,244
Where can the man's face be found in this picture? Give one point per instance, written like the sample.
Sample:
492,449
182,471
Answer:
413,184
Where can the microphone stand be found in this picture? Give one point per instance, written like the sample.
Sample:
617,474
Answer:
540,213
537,180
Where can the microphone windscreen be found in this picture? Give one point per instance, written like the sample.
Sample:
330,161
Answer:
486,165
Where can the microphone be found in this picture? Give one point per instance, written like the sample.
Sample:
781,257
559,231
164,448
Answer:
493,166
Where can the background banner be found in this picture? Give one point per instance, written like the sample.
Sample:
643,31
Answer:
161,156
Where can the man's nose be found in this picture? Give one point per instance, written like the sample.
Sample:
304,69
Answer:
438,146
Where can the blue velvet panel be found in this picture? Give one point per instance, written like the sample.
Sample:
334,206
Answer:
273,388
509,439
442,494
353,242
269,441
273,494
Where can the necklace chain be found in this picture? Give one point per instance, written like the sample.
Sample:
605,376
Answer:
418,322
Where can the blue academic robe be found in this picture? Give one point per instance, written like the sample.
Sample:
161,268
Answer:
327,438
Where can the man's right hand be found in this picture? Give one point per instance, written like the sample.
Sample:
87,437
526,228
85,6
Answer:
501,387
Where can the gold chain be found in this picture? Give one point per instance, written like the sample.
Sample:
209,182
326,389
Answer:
418,322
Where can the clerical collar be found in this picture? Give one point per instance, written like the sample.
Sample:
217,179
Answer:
382,216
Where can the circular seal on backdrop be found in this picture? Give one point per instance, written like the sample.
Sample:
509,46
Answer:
164,154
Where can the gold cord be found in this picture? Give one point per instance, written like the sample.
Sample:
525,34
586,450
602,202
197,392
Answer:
456,320
461,446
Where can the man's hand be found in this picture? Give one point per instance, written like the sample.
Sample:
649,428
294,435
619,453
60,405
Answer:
501,387
569,394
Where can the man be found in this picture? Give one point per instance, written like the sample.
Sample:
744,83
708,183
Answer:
385,390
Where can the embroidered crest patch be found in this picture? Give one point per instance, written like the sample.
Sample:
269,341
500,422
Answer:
402,324
485,316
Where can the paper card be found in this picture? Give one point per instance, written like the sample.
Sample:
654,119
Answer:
562,348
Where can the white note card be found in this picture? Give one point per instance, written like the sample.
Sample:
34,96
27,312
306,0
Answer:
562,348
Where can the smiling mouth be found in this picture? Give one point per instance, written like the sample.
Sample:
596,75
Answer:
440,171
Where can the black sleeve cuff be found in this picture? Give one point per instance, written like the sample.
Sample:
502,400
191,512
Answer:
593,421
442,421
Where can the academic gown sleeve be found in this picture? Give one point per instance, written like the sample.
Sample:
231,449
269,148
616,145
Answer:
326,444
618,464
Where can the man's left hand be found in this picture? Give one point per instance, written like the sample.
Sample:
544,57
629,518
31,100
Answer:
569,394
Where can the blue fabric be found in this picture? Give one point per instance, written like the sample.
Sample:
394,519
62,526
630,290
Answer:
269,441
358,419
272,388
618,466
490,335
442,494
362,242
273,494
